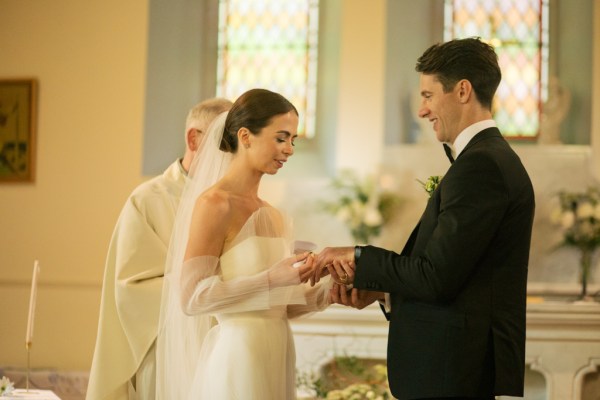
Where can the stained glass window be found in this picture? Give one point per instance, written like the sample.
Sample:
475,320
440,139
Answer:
518,29
270,44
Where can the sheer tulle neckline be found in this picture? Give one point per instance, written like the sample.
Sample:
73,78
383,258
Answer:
262,222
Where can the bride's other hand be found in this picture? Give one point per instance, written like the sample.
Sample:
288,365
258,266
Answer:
292,270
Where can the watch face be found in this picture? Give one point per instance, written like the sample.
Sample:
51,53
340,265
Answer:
357,252
17,109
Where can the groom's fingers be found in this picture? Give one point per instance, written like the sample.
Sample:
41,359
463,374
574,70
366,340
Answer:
342,272
313,278
319,267
323,263
339,294
349,270
320,271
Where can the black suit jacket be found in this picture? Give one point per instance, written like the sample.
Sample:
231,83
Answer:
458,289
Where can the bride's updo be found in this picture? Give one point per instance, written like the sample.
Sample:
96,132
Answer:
253,110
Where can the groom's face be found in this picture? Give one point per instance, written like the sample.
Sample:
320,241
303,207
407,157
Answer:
439,108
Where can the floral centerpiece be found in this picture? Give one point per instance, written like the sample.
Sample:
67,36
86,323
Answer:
363,205
348,378
578,214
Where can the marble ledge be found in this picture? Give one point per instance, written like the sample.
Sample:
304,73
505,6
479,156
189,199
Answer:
541,315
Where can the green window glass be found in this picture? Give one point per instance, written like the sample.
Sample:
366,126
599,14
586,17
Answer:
518,29
270,44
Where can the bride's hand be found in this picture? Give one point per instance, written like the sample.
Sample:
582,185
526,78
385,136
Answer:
292,270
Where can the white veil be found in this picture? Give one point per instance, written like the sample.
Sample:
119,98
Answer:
180,336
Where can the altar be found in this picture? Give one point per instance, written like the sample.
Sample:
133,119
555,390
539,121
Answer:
31,394
562,348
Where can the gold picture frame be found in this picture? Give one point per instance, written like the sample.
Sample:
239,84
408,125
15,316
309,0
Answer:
18,109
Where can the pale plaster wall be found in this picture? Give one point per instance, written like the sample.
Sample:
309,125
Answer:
89,59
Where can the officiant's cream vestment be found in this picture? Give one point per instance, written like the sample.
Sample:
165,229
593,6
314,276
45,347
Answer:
133,279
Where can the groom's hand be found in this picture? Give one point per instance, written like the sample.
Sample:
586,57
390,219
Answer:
356,298
337,261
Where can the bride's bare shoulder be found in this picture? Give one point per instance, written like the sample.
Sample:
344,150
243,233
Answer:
215,201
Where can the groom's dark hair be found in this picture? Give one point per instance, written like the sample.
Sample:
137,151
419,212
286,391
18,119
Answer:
469,59
253,110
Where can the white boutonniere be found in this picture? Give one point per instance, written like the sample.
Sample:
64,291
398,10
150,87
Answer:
431,183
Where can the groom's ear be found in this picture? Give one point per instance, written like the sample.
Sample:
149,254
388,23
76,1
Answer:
465,90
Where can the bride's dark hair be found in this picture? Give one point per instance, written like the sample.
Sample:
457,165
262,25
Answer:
252,110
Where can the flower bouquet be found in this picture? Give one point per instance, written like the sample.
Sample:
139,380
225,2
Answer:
349,378
578,214
363,205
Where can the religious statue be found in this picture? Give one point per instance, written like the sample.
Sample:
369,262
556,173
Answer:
554,111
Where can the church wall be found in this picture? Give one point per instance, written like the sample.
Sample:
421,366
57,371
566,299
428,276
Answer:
89,59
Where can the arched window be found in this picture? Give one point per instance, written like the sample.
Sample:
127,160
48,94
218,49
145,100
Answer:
270,44
518,29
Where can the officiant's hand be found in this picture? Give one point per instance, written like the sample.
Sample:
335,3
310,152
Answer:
342,271
356,298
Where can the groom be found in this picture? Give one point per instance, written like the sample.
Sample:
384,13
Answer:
456,294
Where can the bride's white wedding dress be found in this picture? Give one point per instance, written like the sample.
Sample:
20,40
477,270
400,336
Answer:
250,353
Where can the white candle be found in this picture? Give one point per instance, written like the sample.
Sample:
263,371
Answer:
29,334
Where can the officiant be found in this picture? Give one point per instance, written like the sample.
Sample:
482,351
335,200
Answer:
123,366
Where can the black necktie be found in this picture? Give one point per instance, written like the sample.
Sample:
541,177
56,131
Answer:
448,151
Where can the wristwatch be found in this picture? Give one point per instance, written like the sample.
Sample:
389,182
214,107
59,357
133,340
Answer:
357,252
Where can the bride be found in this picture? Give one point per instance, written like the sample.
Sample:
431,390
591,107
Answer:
232,281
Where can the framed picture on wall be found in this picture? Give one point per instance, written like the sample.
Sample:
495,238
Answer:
18,107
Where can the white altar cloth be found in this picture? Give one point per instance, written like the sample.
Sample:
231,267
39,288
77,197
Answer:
35,394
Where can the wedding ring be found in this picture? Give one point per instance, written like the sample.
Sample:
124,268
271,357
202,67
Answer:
344,278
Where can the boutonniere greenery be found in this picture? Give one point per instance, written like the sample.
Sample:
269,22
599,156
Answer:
431,183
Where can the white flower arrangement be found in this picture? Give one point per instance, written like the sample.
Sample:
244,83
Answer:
364,206
6,386
578,214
